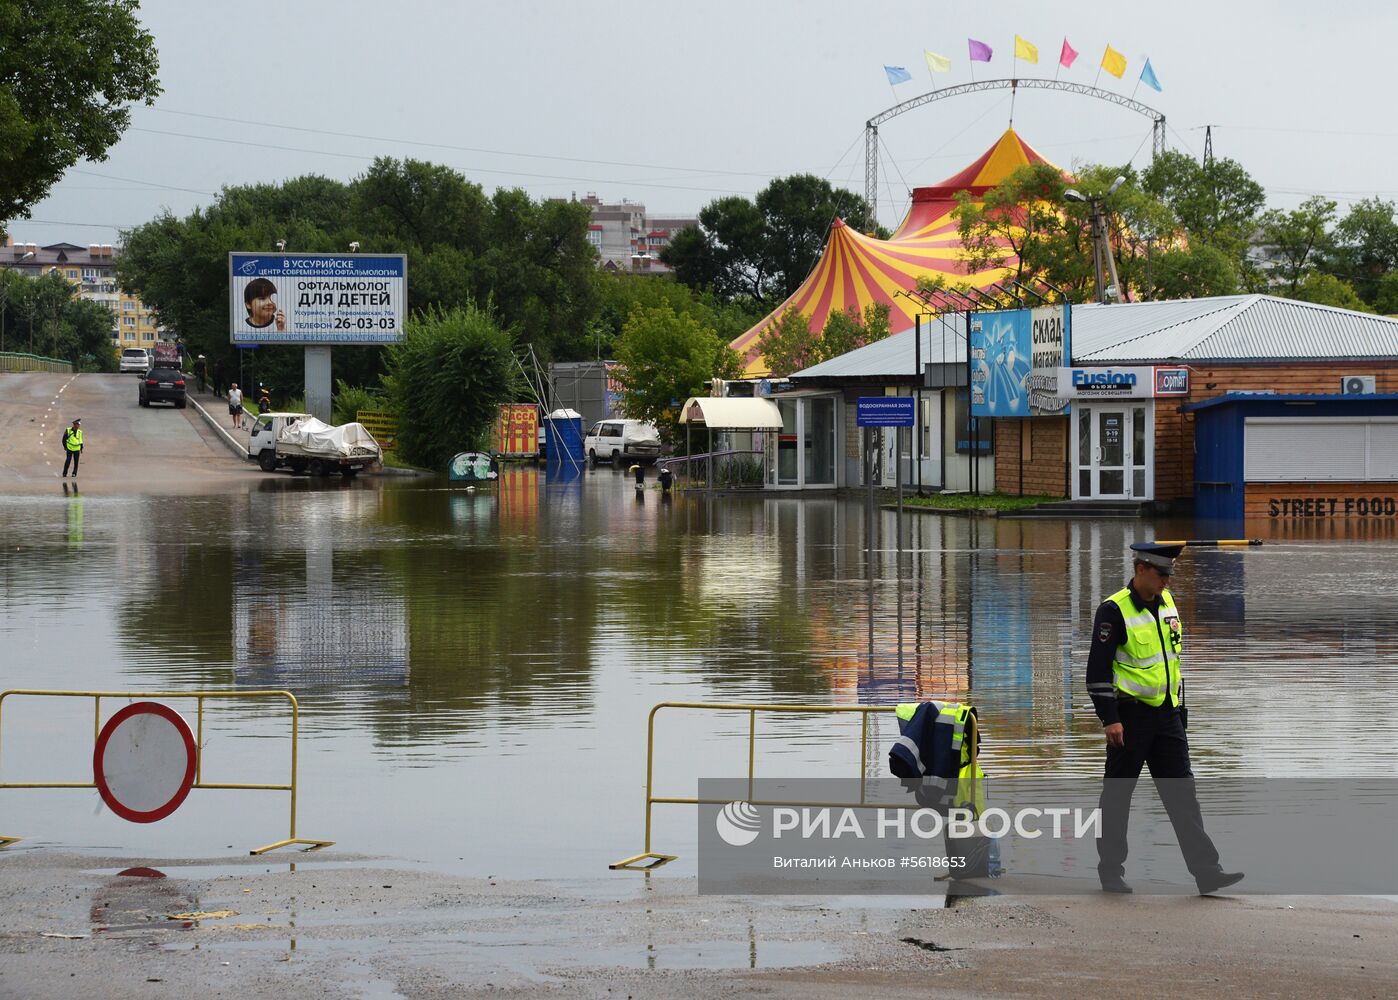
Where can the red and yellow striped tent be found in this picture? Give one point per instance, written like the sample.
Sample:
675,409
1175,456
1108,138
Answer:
856,270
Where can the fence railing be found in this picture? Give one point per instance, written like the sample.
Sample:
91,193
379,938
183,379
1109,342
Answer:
648,858
199,697
11,361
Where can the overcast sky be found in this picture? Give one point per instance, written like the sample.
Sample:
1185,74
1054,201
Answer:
675,104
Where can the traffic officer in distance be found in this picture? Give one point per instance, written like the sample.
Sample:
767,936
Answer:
1133,676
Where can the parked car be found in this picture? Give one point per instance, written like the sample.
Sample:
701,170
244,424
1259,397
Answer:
134,359
163,385
617,440
301,443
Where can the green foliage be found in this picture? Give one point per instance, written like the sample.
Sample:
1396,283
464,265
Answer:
1365,247
790,345
1217,205
973,501
45,316
1298,240
531,261
349,400
1386,294
666,357
762,249
446,380
69,72
1328,290
1194,271
620,294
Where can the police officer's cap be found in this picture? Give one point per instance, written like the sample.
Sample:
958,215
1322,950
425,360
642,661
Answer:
1162,557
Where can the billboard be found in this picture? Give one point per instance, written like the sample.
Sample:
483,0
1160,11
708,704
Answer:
316,298
1015,358
517,429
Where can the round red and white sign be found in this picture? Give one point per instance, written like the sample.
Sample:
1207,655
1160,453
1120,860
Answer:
144,760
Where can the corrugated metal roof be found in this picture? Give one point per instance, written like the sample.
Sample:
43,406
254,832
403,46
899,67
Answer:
1229,328
893,356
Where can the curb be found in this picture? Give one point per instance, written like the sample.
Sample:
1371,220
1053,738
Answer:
240,450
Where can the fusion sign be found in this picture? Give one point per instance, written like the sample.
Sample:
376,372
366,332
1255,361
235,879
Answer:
1016,359
316,298
1139,382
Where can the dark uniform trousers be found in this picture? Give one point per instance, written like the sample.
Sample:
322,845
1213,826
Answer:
1154,737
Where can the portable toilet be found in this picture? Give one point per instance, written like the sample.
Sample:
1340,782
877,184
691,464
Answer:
565,438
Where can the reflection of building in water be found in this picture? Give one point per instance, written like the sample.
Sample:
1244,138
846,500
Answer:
316,628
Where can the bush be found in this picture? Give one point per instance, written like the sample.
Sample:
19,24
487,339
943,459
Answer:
446,380
350,399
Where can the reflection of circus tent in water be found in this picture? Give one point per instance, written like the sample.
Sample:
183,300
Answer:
317,630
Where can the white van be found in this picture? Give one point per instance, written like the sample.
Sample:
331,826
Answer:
617,440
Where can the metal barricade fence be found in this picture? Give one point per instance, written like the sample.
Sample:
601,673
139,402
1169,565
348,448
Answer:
199,697
649,859
12,361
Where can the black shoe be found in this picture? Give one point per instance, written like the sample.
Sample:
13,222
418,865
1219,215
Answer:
1115,884
1217,881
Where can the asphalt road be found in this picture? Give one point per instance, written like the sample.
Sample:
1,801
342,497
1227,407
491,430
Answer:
127,448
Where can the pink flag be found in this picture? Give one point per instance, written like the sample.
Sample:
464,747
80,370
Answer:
1066,57
980,52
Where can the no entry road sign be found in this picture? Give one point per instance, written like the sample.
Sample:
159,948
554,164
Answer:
884,411
144,762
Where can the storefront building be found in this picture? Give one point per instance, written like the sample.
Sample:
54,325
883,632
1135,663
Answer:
1133,429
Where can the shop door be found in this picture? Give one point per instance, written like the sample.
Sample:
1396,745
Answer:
1113,452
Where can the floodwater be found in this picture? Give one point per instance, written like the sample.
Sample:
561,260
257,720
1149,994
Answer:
475,669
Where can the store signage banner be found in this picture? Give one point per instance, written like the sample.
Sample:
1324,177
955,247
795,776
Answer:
1016,358
316,298
1129,382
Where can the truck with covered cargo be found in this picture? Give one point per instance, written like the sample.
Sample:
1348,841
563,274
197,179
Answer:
301,443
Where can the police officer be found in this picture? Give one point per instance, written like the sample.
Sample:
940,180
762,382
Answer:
1133,676
72,447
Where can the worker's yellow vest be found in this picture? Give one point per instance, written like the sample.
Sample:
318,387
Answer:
73,440
1143,667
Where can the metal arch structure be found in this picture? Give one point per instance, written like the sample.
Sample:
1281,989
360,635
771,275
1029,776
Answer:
871,127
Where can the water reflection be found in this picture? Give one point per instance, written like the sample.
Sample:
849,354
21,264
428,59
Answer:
486,637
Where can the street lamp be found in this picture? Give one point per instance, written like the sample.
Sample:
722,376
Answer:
1100,247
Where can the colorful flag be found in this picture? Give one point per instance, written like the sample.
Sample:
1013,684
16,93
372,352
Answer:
897,74
1114,62
1027,51
1066,57
936,63
1148,77
980,52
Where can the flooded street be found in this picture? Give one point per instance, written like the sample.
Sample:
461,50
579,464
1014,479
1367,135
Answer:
475,668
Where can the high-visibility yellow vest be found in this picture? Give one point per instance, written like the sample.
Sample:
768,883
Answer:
73,439
1147,665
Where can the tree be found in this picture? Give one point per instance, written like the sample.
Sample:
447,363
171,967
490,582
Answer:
1193,271
1328,290
446,380
618,294
764,248
70,71
1365,247
1026,225
665,357
1386,296
1217,204
789,344
1299,239
847,330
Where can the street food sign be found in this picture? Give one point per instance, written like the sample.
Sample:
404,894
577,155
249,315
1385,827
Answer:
316,298
1016,358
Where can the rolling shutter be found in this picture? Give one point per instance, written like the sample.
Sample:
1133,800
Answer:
1320,449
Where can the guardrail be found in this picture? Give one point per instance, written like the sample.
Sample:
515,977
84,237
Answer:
200,697
638,862
15,362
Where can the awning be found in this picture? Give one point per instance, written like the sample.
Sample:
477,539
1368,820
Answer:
732,414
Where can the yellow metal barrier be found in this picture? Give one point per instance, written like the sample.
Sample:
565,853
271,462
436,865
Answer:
200,697
649,859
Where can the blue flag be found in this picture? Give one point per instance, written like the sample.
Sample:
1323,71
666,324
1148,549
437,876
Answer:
897,74
1148,77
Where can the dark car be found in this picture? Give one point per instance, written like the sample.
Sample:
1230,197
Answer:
163,385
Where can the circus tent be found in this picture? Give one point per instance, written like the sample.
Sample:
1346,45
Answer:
856,270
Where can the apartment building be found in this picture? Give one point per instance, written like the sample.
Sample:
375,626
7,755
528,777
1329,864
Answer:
626,238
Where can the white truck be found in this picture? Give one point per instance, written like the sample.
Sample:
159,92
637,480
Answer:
302,443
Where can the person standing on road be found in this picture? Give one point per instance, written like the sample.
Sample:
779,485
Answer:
264,400
72,447
218,377
235,405
1133,676
201,371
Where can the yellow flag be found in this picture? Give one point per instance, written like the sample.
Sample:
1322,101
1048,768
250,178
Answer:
936,63
1026,50
1114,62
